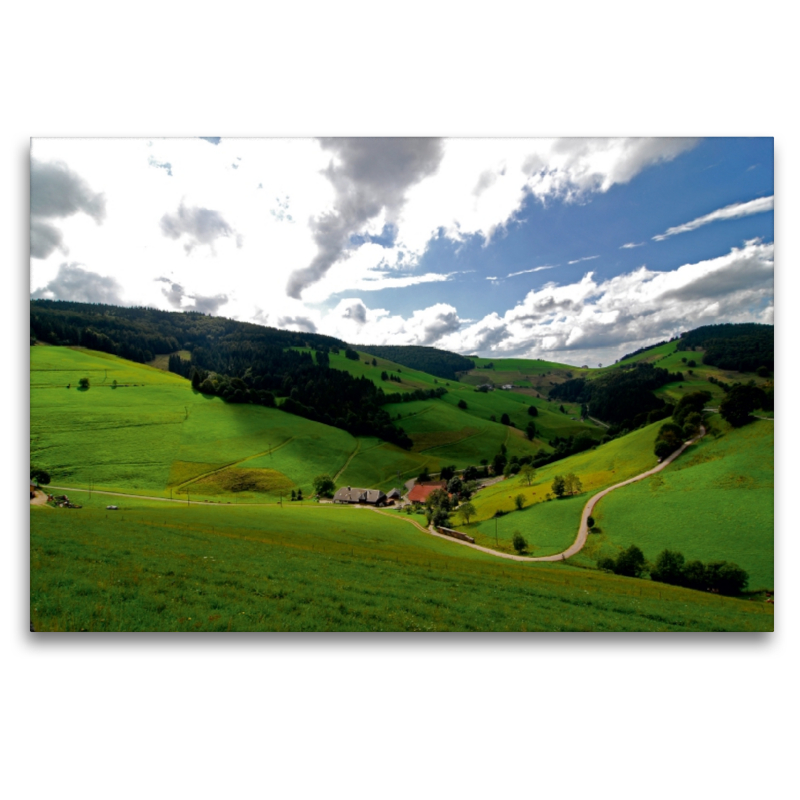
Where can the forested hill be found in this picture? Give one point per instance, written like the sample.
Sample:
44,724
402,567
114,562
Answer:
139,334
440,363
743,347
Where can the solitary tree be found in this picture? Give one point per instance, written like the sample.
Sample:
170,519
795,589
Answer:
83,383
324,486
505,419
533,411
467,510
462,403
559,486
519,542
529,473
530,431
519,501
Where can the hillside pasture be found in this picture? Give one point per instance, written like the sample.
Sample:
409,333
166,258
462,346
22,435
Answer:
717,503
155,433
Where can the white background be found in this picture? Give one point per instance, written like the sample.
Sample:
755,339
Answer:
392,715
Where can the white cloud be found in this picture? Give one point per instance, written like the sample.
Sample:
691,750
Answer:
535,269
631,245
585,258
587,320
734,211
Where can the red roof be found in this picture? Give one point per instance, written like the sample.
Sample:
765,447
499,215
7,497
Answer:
420,492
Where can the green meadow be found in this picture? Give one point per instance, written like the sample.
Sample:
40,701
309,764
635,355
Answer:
160,566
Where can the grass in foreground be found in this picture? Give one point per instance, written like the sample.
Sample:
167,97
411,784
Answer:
168,567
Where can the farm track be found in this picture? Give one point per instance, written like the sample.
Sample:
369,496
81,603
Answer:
349,459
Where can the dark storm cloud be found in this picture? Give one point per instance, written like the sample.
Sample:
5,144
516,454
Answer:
373,174
165,165
200,225
81,286
175,294
212,139
58,192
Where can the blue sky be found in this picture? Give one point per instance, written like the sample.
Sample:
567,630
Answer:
491,246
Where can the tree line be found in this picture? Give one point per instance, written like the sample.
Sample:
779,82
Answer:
440,363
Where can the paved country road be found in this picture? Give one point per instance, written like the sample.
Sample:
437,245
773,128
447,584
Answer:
575,547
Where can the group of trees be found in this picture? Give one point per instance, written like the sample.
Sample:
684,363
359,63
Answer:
686,421
330,396
440,363
739,403
671,567
623,397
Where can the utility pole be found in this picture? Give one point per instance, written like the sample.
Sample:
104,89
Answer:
496,543
187,499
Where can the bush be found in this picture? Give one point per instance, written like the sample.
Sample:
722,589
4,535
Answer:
519,542
462,403
83,383
519,501
533,411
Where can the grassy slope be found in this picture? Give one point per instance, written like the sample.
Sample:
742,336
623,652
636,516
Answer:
716,504
161,566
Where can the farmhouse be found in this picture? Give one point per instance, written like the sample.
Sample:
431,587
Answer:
394,494
372,497
421,491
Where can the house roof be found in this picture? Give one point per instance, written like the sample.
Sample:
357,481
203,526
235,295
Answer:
352,494
394,493
421,491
